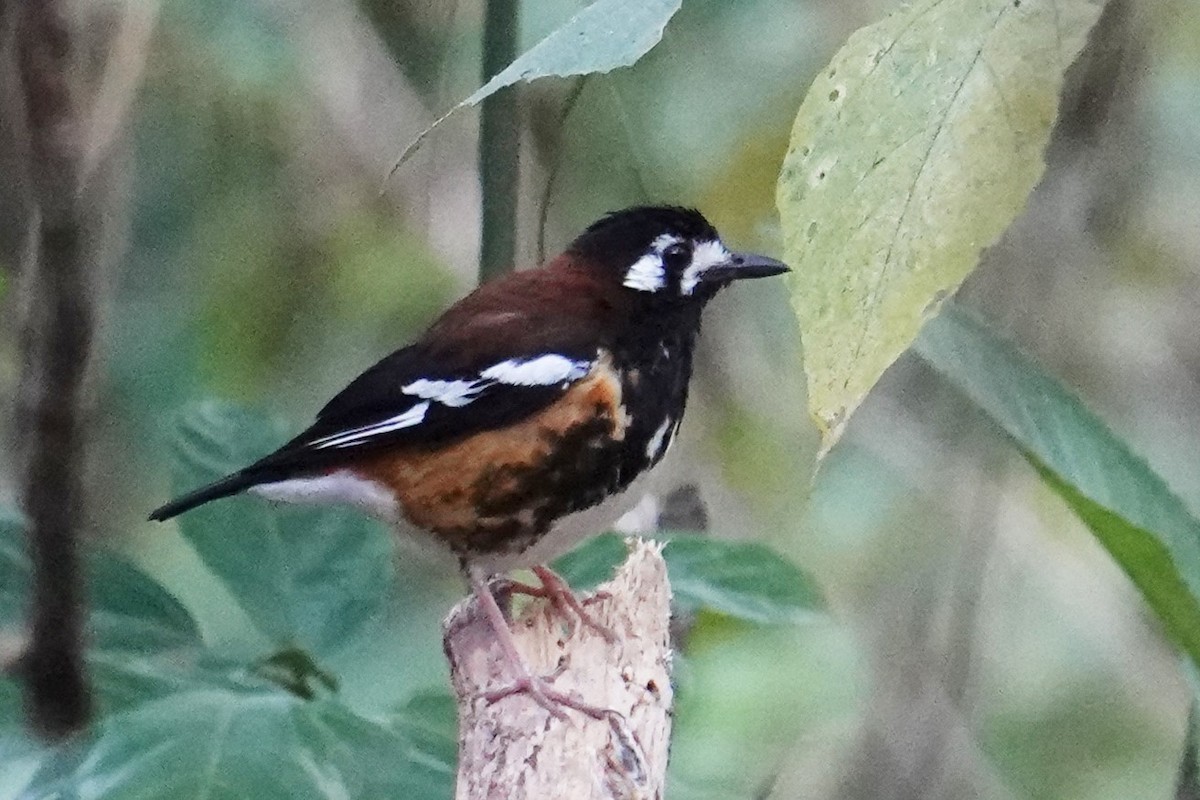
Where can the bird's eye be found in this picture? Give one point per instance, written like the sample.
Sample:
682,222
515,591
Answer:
677,256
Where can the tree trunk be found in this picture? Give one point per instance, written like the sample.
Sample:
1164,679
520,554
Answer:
58,323
513,748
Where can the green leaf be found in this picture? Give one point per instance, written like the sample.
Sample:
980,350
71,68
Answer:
593,562
127,609
429,723
20,751
131,611
303,576
745,580
123,679
1145,527
913,151
297,671
602,37
130,618
1147,561
238,742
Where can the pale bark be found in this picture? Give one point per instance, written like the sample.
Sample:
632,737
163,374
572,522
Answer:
513,748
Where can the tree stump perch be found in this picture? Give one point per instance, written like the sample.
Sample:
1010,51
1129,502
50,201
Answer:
513,748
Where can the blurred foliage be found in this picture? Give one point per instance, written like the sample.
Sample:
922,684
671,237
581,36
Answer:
184,715
309,580
1133,513
744,580
981,643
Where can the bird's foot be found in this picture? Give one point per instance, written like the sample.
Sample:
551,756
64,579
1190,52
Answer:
541,692
536,688
565,601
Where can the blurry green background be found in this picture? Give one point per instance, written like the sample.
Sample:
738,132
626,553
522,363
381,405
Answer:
979,644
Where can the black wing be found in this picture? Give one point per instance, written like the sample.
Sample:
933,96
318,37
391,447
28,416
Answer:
476,369
405,399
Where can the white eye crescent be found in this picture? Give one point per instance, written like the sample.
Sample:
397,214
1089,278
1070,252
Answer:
705,256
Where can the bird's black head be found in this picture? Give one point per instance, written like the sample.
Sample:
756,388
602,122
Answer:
668,254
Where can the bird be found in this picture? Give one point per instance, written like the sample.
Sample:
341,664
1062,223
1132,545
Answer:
523,420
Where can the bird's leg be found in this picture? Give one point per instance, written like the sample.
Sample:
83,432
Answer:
537,688
560,595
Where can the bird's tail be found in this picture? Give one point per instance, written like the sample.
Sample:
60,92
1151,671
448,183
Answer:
230,484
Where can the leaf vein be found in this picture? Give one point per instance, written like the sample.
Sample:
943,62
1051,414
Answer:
881,280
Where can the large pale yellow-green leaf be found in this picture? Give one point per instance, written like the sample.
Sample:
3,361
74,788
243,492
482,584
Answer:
912,152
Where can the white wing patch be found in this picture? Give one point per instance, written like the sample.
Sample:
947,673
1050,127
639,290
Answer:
704,257
411,417
544,370
449,393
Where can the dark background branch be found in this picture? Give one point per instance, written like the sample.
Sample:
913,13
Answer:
57,328
499,143
1187,781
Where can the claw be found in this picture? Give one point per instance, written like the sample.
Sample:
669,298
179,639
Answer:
536,688
541,692
568,605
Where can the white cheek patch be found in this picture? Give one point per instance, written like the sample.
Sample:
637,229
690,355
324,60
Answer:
706,256
541,371
647,274
411,417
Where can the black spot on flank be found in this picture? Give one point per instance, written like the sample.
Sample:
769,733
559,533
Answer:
581,469
581,466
